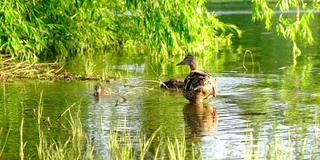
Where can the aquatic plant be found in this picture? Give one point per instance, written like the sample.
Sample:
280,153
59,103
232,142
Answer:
128,145
74,146
3,142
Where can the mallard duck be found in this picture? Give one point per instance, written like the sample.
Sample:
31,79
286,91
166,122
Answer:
198,85
173,83
102,91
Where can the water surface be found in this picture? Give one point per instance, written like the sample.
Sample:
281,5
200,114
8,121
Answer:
273,98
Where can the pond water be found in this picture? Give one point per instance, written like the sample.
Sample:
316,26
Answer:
272,99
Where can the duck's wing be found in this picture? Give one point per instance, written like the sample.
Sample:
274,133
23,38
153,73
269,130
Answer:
198,79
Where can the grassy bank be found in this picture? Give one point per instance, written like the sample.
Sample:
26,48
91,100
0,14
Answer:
10,70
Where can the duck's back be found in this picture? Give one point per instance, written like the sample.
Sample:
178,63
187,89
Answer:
199,85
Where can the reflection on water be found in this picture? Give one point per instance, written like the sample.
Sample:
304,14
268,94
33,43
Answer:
289,101
201,118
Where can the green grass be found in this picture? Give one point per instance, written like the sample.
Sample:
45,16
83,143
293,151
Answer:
76,146
50,147
122,146
125,144
3,142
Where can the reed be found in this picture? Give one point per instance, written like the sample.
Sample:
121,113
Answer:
76,146
22,143
177,148
3,143
278,147
123,145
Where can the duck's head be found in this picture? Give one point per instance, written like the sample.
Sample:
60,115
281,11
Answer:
191,61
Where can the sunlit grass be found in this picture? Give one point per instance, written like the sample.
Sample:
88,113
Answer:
125,146
128,145
3,142
121,145
75,146
279,147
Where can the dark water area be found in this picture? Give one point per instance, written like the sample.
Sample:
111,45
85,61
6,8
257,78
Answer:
272,99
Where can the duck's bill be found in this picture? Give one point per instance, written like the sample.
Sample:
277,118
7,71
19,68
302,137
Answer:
181,63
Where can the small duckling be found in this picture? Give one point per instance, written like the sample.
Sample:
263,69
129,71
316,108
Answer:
102,91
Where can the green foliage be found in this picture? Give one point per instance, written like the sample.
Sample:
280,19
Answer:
296,29
60,29
55,28
181,25
261,11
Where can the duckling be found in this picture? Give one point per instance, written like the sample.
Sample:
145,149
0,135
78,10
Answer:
102,91
198,85
173,83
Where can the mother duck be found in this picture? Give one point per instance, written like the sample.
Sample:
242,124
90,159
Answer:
199,84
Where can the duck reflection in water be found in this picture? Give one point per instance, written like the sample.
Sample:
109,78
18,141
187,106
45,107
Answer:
202,118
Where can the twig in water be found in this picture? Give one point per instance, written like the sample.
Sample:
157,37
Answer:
260,71
124,98
156,81
47,122
62,125
63,113
244,59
